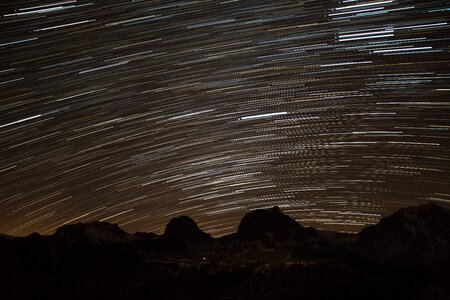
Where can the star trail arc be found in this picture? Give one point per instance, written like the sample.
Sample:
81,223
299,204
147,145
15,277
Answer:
134,112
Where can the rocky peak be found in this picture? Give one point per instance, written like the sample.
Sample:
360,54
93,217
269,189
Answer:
270,225
99,232
185,229
413,221
414,234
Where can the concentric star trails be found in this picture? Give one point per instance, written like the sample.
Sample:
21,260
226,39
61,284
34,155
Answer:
134,112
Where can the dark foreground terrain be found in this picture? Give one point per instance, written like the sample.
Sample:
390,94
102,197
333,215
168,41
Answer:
405,256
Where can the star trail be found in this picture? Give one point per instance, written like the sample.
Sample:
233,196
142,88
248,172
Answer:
134,112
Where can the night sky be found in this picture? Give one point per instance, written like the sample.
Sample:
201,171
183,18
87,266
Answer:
134,112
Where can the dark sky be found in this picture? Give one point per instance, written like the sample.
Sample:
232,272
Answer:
135,112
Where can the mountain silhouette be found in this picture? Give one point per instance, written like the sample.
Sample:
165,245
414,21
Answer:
419,234
93,232
4,236
181,235
270,256
271,225
185,229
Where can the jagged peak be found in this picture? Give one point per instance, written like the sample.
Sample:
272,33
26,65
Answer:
412,218
275,210
413,234
423,210
270,224
94,225
96,230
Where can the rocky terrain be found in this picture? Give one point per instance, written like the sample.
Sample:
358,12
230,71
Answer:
405,256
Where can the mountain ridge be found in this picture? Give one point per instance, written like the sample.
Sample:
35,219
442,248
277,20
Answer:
270,256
